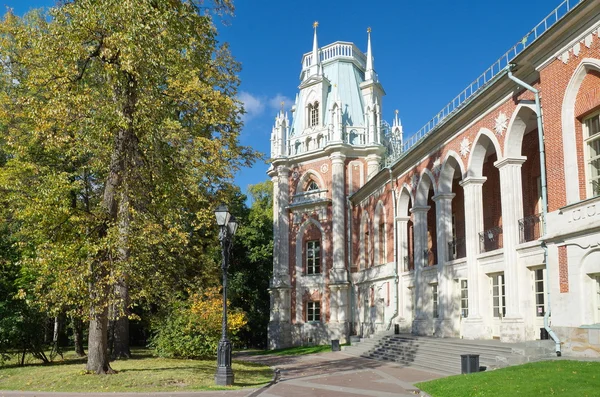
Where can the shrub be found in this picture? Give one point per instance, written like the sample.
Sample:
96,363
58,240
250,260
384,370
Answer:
193,328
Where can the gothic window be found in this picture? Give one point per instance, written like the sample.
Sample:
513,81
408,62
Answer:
312,186
313,311
592,154
314,114
313,257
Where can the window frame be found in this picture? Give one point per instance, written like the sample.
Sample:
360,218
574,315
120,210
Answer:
539,278
313,311
313,257
314,114
591,191
464,298
498,296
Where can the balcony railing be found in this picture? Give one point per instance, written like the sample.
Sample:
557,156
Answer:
491,239
531,228
312,196
457,248
429,257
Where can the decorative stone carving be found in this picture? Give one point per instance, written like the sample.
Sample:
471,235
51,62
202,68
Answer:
501,124
465,147
324,168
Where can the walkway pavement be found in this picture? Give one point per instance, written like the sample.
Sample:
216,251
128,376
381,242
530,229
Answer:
316,375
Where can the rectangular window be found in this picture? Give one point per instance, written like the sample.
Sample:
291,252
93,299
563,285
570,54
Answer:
382,258
313,257
540,309
464,299
498,295
313,311
592,154
435,297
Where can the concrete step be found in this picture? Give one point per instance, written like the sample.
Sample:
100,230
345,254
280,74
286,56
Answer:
442,355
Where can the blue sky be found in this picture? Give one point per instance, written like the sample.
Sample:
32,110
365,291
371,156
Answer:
425,52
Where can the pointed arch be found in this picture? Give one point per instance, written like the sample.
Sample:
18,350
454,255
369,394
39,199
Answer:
305,180
571,170
300,246
484,141
426,181
451,164
520,122
405,198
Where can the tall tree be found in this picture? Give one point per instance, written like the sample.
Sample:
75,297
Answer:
123,128
253,264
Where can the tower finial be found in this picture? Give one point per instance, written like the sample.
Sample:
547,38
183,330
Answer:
369,69
315,52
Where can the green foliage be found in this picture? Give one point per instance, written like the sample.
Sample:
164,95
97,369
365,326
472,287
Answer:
556,378
192,329
120,132
252,264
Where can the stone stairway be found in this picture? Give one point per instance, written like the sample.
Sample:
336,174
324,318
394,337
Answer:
443,355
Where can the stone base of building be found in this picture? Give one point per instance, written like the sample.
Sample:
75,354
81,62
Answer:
474,328
423,327
280,335
512,330
445,328
581,341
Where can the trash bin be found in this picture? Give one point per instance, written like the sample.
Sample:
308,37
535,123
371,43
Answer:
469,363
335,345
397,329
543,334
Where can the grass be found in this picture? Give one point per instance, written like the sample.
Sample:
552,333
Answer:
143,373
546,378
296,351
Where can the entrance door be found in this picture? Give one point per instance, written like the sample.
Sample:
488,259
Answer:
498,303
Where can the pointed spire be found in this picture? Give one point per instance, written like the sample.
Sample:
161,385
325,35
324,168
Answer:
396,120
315,65
369,75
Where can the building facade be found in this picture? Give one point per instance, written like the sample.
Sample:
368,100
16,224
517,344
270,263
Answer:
483,224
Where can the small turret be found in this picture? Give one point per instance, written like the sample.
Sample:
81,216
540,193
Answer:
279,134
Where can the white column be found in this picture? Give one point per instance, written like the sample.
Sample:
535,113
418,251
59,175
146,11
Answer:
473,325
373,161
420,235
401,252
338,202
511,192
443,213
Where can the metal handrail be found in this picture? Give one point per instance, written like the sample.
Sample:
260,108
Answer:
530,228
499,67
491,239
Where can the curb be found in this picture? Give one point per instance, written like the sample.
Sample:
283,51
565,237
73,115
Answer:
276,376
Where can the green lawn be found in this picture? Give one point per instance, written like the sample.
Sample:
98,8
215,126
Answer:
546,378
143,373
296,351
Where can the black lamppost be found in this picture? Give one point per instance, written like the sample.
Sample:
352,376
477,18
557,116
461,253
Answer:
228,226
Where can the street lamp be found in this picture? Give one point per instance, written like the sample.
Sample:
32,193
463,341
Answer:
228,226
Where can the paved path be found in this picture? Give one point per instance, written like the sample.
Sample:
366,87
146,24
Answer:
315,375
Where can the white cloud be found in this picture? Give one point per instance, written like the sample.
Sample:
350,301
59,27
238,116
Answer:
275,102
254,106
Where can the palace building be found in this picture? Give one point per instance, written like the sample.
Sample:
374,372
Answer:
483,224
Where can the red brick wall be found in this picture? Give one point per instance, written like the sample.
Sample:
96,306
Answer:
563,269
492,203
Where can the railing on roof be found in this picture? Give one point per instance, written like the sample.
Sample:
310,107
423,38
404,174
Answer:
489,75
339,49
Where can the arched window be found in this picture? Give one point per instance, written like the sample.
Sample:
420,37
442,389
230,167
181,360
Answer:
314,114
312,185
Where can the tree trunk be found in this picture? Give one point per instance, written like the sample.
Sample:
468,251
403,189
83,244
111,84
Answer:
78,336
98,342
